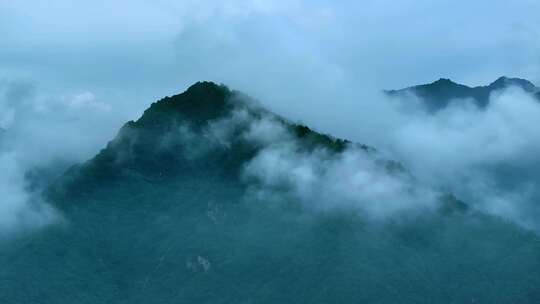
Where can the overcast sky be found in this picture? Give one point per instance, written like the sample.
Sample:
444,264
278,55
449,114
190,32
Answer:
312,61
147,49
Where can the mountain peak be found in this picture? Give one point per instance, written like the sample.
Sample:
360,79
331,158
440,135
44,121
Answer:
201,102
501,79
438,94
444,81
207,119
503,82
205,86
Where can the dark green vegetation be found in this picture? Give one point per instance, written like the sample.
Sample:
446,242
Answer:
439,94
160,217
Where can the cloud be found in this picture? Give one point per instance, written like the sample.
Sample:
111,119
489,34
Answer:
87,100
283,170
41,136
20,209
488,157
485,156
353,180
155,49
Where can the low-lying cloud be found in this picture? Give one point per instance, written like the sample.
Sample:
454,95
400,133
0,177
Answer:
353,180
41,136
284,170
488,157
19,209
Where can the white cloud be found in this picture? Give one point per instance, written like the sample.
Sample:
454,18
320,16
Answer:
87,100
285,171
19,209
47,133
487,157
321,180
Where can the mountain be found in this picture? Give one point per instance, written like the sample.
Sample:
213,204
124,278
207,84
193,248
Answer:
217,116
437,95
210,198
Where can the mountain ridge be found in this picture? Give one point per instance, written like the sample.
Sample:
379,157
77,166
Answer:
439,94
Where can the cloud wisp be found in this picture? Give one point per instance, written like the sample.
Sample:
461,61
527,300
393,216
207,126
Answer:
486,157
41,136
489,157
284,171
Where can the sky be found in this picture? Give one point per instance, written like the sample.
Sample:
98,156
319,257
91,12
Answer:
161,46
131,53
72,72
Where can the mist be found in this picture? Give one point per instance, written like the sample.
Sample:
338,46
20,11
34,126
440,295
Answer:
319,63
301,181
485,156
357,179
41,137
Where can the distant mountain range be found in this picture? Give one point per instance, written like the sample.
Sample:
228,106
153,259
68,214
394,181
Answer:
437,95
166,213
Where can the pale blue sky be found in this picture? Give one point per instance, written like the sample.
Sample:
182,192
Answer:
141,50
